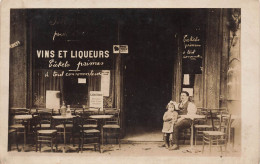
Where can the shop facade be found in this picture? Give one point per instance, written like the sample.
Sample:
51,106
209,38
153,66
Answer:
139,59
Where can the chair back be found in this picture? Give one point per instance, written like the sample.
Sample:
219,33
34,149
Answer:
90,121
213,116
225,125
85,119
202,111
225,122
20,111
94,110
115,119
110,111
45,116
78,111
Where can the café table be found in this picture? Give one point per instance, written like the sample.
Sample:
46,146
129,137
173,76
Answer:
25,121
192,117
101,119
64,120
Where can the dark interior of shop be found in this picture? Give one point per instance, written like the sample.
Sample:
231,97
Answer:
148,68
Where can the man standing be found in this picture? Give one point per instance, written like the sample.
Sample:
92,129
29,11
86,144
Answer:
184,108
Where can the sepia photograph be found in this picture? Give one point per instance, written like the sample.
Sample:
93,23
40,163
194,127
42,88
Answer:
114,82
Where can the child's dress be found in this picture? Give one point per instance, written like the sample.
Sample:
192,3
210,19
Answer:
169,118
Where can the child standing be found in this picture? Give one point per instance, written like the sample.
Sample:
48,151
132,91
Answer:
169,118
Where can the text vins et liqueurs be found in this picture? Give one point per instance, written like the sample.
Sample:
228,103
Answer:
54,57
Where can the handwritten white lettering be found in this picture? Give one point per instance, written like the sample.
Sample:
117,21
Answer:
190,39
55,73
57,34
86,64
55,64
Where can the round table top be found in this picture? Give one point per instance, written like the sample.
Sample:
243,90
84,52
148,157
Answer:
23,117
63,117
193,116
101,116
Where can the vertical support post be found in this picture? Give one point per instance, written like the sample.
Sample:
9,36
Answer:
213,58
177,73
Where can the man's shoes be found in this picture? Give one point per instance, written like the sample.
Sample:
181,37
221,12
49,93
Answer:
174,147
162,145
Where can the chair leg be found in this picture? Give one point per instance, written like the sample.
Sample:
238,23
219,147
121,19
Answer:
105,134
9,142
36,144
210,140
195,136
51,144
73,139
203,144
119,144
40,147
99,139
56,146
82,143
79,144
16,140
221,150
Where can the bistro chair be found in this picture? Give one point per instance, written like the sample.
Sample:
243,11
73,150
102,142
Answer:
112,127
223,116
45,132
213,116
17,126
12,132
45,118
69,129
90,135
202,124
20,111
220,137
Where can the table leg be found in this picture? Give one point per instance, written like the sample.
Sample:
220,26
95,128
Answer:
191,149
191,135
64,131
102,137
24,136
24,139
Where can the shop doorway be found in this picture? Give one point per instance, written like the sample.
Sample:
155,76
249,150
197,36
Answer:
148,74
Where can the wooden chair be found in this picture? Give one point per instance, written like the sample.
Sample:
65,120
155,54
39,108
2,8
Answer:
69,129
202,124
45,132
112,126
12,132
17,126
220,137
90,135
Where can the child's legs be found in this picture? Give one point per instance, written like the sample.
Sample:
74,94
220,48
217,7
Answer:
167,138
